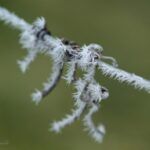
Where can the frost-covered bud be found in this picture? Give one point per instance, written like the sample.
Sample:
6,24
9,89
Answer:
39,24
93,93
104,93
95,47
89,55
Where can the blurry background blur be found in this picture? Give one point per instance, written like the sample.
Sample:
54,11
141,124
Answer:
123,29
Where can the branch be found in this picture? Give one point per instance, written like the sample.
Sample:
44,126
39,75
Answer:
13,20
123,76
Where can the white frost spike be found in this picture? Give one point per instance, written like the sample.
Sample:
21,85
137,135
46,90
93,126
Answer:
36,97
123,76
22,65
40,23
76,113
97,133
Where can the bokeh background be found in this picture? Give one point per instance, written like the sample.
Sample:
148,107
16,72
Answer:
123,29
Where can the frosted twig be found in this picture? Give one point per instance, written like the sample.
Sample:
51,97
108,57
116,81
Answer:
13,20
69,119
50,84
96,132
24,64
36,38
71,72
123,76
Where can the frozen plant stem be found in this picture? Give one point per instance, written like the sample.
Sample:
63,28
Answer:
36,38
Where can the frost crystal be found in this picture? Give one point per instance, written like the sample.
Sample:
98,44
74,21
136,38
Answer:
36,38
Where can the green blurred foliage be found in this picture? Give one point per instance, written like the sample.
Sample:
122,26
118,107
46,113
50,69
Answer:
123,29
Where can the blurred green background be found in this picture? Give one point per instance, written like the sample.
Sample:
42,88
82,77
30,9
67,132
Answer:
123,29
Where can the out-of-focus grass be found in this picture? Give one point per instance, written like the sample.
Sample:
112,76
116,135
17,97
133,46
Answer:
123,29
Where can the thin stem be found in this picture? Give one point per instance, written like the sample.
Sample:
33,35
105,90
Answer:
96,132
123,76
13,20
53,80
